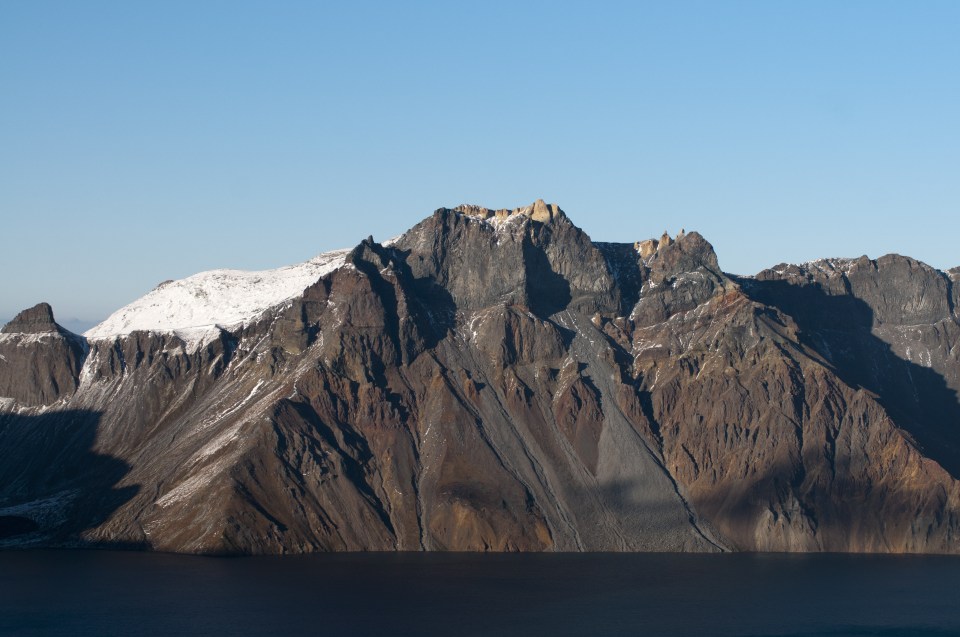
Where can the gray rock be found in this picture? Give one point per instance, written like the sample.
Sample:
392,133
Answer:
40,361
35,320
496,381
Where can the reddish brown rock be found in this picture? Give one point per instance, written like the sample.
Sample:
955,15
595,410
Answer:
495,381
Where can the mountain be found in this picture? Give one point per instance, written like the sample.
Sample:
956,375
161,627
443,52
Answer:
495,380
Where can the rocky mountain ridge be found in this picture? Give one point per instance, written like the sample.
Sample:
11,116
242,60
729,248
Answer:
495,380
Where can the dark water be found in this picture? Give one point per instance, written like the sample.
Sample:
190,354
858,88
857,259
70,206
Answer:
111,593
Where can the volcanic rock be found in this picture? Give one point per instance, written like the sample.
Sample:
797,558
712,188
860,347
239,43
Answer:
494,380
39,360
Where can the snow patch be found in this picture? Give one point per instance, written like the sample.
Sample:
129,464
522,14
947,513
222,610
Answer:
192,485
195,308
647,345
221,441
503,222
46,512
392,241
23,338
830,266
56,501
236,407
684,277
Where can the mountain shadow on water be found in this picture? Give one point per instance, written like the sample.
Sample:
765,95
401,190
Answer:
838,328
53,485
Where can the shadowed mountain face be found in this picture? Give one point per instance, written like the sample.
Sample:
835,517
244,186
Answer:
494,380
41,360
55,486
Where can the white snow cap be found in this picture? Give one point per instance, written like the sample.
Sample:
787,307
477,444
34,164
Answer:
219,298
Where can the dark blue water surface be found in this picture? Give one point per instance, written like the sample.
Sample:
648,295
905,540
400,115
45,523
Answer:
119,593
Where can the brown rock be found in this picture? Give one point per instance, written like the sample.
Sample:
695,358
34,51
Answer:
497,381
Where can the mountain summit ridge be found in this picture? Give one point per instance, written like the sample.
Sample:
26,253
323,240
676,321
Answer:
496,380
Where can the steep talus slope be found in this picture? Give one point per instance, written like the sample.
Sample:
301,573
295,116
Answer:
494,380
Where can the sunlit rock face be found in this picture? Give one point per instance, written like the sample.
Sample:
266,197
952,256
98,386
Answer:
494,380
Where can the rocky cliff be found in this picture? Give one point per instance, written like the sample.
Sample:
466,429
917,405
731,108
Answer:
495,380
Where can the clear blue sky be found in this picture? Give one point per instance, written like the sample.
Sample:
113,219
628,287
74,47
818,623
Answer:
143,141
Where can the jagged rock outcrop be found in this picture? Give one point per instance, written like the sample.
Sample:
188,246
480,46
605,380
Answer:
533,256
40,360
494,380
954,275
678,276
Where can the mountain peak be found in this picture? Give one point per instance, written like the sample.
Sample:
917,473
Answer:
542,211
198,306
538,211
35,320
538,390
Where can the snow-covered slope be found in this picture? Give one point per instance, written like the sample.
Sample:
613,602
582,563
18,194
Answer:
200,303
